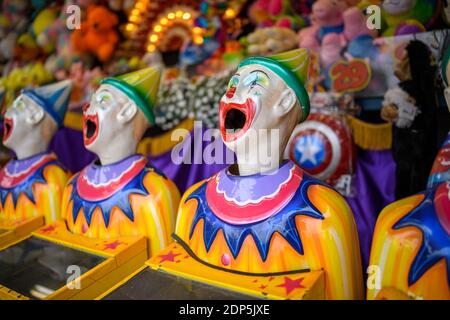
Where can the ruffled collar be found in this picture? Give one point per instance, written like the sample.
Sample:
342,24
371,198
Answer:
17,171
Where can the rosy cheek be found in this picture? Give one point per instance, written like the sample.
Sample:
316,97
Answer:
231,92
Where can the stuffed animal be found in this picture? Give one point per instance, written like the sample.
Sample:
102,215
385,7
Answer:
409,16
327,17
270,41
97,34
57,35
41,22
280,13
13,22
33,74
358,37
26,48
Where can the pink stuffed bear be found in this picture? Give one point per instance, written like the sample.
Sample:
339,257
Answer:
330,51
327,17
355,25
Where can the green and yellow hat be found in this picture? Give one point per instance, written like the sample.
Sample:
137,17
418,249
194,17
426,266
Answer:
292,66
141,86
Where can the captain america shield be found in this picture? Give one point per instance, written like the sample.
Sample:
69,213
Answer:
322,146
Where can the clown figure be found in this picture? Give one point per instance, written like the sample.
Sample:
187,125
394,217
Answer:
31,185
121,194
263,215
411,244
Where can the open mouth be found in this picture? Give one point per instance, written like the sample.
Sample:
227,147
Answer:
7,128
236,119
90,128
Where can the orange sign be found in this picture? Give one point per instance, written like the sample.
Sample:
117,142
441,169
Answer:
350,76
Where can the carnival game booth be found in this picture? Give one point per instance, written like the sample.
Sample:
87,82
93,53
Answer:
88,207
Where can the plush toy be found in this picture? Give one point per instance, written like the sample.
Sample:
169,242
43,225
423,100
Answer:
97,34
26,48
327,17
357,36
271,40
280,13
13,22
331,50
57,35
85,82
41,22
409,16
415,131
19,78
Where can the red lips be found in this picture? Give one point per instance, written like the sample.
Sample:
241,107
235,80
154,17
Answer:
8,125
236,119
90,128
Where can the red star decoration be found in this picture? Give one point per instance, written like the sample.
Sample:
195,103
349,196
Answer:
48,229
113,245
290,284
262,287
168,257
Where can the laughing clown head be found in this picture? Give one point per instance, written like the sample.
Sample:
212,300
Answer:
34,116
119,113
446,75
266,93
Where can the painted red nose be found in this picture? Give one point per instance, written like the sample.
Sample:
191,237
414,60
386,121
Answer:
230,93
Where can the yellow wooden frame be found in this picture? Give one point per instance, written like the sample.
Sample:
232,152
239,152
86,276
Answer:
313,282
120,262
15,231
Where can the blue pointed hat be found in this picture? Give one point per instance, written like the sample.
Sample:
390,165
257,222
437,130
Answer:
53,98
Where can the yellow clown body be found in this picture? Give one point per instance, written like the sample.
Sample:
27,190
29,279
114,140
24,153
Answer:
132,199
410,254
31,188
312,228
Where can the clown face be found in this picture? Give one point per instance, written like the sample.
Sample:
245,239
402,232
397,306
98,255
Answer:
106,117
20,121
257,101
398,7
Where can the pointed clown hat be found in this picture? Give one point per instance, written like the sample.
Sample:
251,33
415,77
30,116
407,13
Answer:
53,98
291,66
141,86
446,67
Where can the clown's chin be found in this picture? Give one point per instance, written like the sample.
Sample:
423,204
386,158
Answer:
90,129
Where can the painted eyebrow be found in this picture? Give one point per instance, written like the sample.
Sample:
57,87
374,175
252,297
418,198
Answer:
261,72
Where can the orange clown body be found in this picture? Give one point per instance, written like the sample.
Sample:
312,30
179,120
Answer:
410,254
410,248
128,198
31,188
271,224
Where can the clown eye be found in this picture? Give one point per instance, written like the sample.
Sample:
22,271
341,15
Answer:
234,81
19,105
103,99
257,79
